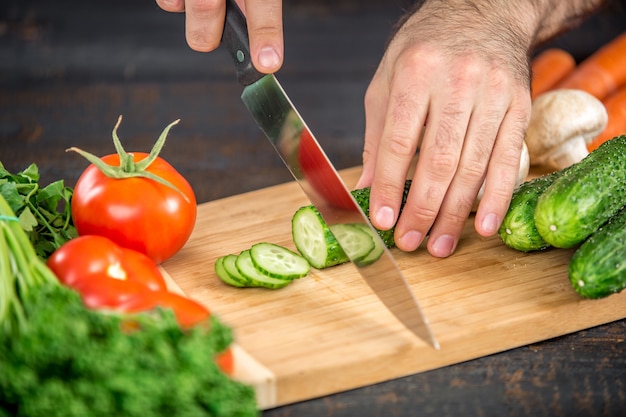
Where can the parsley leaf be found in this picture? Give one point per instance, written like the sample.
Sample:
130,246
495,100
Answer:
44,213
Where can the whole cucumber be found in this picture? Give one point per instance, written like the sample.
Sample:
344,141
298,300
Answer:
584,197
598,267
518,230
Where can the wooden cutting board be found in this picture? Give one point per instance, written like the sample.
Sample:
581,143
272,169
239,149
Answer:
328,332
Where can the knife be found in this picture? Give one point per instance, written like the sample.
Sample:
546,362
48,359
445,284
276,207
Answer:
288,133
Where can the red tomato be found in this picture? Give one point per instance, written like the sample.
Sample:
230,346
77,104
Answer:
136,213
226,361
187,311
95,260
109,294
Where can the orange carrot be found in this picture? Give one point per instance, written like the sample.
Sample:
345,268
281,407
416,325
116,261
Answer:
615,105
602,72
548,68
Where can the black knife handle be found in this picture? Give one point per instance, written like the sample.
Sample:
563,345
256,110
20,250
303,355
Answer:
235,39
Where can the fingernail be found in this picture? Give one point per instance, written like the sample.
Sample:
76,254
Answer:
410,240
385,219
268,58
443,246
490,223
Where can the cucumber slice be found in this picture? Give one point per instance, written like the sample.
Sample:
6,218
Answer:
224,275
314,240
254,277
379,246
354,241
231,269
278,262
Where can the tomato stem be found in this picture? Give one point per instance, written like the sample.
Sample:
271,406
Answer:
128,168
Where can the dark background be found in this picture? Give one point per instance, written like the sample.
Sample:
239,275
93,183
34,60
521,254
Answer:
68,68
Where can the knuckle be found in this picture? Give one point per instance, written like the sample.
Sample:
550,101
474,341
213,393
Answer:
442,165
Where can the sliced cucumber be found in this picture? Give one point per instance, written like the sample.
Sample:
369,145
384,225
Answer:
314,240
254,277
379,246
278,262
224,275
357,243
231,269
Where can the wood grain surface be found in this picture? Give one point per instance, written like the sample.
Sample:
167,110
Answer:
328,332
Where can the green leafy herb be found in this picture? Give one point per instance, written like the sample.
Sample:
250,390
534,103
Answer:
44,213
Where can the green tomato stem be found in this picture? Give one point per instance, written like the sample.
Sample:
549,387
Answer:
128,168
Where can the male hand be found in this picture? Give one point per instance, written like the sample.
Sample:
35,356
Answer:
454,81
205,23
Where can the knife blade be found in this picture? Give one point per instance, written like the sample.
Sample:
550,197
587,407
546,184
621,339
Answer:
277,117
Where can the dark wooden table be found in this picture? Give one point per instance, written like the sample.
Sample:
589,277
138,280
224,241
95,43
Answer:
69,68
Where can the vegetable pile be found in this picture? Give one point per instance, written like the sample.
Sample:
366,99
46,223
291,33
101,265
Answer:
87,324
602,75
54,350
582,207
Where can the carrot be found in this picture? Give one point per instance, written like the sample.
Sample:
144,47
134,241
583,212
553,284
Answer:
548,68
615,105
602,72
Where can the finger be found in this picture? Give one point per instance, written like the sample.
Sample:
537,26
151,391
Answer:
265,29
204,23
403,123
469,177
172,5
503,167
375,104
439,157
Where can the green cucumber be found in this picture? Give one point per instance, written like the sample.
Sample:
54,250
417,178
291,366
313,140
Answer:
224,275
518,230
357,243
379,246
278,262
314,240
362,197
230,268
256,278
584,197
598,267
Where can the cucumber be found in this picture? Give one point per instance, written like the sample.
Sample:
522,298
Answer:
225,275
584,197
355,242
314,240
378,249
518,229
278,262
362,197
230,268
256,278
598,267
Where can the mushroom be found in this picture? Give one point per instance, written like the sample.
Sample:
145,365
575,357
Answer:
562,123
522,174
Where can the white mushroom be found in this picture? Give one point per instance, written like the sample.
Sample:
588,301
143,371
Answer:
522,174
562,123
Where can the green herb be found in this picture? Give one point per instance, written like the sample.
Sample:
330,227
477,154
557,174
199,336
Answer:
44,213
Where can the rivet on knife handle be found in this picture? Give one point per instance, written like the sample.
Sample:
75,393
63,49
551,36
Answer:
235,39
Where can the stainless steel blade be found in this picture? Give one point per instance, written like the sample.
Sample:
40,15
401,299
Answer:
279,120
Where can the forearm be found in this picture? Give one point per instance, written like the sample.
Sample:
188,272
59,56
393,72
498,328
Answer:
557,16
